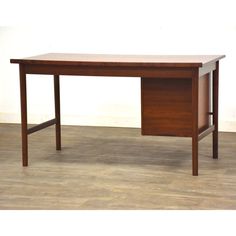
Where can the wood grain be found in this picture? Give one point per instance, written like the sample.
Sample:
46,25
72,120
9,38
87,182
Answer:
57,111
195,115
166,107
127,71
120,60
115,168
204,103
215,110
24,123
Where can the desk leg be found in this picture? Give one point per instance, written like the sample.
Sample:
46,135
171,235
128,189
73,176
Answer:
57,111
23,98
195,85
215,110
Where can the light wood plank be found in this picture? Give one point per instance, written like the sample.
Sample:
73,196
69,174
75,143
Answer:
114,168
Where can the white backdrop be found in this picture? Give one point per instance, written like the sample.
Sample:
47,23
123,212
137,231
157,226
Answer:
29,28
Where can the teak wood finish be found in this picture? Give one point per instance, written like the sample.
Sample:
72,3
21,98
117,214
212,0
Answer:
175,92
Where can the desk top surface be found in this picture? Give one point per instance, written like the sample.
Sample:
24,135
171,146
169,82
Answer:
120,60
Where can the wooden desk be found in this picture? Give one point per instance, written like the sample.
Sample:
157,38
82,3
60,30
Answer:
176,92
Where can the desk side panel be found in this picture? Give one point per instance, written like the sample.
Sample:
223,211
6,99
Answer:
166,107
204,103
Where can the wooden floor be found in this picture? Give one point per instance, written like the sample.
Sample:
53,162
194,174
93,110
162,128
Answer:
114,168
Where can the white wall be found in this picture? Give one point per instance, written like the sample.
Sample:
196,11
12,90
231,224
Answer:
124,27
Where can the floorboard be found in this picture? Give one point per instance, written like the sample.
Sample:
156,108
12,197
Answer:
114,168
